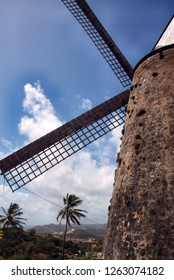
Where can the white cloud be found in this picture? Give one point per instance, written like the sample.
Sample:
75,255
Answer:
8,144
8,147
40,116
86,104
88,174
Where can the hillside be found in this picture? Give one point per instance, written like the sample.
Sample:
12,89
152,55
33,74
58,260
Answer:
83,231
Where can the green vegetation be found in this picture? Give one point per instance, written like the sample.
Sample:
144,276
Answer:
46,247
17,244
29,247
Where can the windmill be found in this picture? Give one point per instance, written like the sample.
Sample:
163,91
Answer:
36,158
141,218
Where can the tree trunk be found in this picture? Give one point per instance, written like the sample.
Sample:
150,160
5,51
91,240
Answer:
64,239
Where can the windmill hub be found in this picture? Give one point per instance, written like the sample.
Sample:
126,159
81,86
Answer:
141,217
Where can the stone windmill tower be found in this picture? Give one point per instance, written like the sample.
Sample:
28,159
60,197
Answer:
141,217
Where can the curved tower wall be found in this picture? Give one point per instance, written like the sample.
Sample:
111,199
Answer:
141,217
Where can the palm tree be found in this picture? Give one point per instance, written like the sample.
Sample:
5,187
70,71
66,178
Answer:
11,217
70,213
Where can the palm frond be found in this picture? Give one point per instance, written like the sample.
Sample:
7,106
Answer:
13,207
61,214
73,200
19,221
5,212
75,220
17,213
68,219
79,210
2,219
11,217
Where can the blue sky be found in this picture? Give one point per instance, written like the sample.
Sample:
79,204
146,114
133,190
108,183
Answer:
45,52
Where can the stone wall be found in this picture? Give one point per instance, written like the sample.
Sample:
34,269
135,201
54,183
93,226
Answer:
141,217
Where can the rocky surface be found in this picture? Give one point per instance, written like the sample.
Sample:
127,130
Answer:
141,217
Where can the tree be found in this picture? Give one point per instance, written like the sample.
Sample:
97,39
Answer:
12,217
70,213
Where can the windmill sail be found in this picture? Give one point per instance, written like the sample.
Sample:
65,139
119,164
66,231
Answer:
34,159
95,30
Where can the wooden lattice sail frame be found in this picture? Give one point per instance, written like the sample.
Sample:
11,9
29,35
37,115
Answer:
36,158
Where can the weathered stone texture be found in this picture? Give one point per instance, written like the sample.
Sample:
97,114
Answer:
141,217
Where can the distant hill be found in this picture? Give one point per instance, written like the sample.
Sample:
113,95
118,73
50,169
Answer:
84,231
